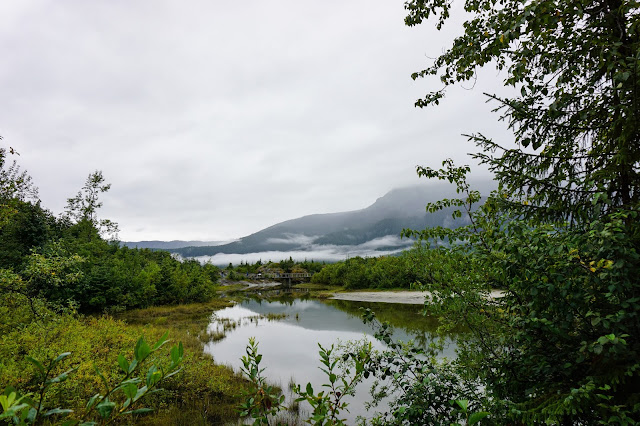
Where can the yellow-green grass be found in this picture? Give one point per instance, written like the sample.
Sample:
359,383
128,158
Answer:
319,291
202,393
233,287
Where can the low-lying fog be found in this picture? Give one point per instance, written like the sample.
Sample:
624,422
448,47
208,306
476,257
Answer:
383,246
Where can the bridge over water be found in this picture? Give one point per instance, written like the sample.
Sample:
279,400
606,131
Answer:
284,276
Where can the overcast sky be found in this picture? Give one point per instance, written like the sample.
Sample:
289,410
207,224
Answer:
213,119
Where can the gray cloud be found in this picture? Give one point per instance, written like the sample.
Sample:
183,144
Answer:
213,120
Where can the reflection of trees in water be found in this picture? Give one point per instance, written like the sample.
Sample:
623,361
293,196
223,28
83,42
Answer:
407,320
285,296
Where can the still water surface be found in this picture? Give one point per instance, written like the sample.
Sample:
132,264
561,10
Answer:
290,345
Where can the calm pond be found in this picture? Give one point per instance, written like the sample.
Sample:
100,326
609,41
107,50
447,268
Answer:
288,330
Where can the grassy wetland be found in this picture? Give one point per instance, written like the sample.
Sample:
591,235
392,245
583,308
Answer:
202,393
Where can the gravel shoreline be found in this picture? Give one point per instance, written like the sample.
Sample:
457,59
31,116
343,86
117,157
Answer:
406,297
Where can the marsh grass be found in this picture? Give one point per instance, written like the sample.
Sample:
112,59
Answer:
292,383
232,288
204,393
319,291
177,316
272,316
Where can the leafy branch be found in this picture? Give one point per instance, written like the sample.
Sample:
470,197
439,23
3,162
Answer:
29,409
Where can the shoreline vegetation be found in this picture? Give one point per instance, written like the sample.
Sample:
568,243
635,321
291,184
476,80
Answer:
320,291
205,392
202,393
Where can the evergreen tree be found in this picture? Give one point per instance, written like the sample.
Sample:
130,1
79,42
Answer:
561,346
576,68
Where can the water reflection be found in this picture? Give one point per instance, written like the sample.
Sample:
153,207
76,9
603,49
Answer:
290,344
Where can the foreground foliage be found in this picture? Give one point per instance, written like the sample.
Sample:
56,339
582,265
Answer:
263,403
203,392
117,399
561,236
574,67
53,271
560,345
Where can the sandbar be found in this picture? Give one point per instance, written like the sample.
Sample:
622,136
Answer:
406,297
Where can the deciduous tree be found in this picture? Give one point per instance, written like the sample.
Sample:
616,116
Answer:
83,208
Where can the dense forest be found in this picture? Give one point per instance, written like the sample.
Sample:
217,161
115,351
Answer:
560,237
56,274
67,260
409,269
269,267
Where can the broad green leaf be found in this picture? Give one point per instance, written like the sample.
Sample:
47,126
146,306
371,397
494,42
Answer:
177,352
105,408
130,390
161,341
476,417
124,364
142,350
57,411
6,401
153,375
13,410
133,365
462,403
140,393
31,415
173,373
61,377
140,411
61,357
92,401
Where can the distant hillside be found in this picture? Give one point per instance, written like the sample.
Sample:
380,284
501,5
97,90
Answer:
398,209
167,245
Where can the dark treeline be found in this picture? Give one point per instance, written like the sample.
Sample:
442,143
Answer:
56,269
383,272
66,260
270,267
412,268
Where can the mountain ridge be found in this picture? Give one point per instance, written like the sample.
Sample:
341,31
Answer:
173,244
398,209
